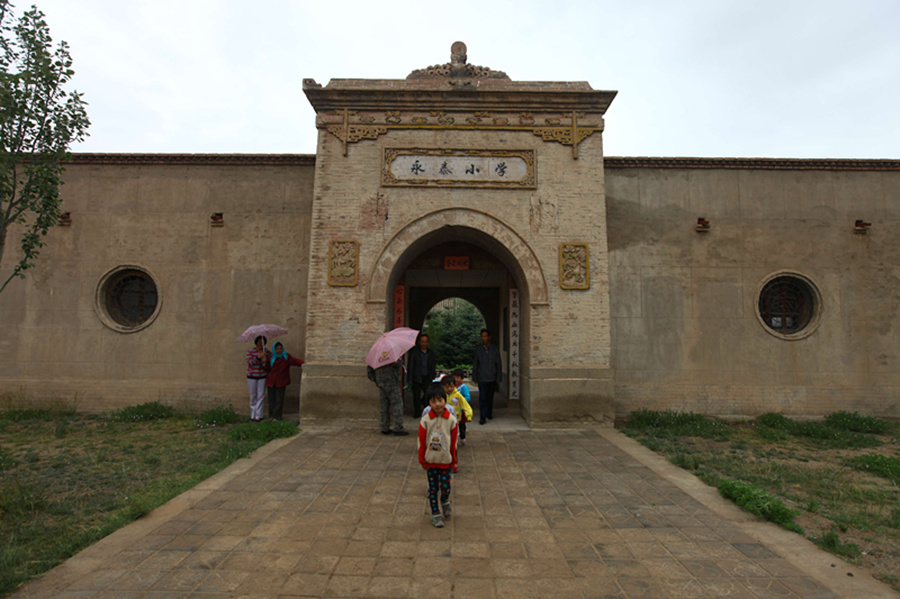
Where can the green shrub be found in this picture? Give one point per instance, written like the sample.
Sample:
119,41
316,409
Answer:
757,501
894,519
266,431
26,414
141,413
770,434
822,433
218,416
656,444
853,421
836,438
830,541
775,421
686,461
681,424
21,501
885,466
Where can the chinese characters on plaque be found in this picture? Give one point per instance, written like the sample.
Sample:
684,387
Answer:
514,344
343,258
459,168
574,269
456,263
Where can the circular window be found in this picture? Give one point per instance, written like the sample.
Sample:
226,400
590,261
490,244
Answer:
789,306
128,299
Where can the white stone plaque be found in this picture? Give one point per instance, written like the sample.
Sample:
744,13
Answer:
459,168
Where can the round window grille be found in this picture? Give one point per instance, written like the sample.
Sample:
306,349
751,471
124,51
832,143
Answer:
128,299
789,306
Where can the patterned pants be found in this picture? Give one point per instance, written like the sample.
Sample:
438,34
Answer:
391,407
438,478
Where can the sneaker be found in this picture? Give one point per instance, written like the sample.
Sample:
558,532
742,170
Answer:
446,508
401,433
463,441
454,469
437,520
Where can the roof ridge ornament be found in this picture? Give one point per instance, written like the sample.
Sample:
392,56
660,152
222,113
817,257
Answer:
457,68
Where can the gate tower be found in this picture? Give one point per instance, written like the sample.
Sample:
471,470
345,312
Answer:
459,181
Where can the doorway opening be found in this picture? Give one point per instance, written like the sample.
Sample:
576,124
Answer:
462,269
454,327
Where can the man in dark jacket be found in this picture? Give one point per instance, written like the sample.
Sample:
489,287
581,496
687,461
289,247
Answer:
487,371
421,368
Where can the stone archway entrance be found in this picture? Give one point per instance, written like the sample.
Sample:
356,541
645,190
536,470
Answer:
457,261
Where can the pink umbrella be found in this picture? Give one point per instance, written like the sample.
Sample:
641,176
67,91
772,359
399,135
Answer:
266,330
391,346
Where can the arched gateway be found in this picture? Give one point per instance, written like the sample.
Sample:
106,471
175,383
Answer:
458,181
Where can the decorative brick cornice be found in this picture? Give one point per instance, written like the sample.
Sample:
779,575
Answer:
612,162
794,164
196,159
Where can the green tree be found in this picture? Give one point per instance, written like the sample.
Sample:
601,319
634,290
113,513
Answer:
454,332
39,120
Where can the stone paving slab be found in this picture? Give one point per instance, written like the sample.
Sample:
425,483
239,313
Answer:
341,512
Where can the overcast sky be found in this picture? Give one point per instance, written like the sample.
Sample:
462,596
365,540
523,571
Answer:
785,78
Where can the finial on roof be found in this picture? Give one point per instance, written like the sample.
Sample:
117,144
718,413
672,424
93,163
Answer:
457,68
458,53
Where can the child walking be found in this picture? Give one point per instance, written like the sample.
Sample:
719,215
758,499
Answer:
461,409
464,391
437,450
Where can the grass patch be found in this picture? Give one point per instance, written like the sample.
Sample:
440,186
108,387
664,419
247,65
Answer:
219,416
144,412
757,501
832,433
28,414
853,421
830,541
68,481
680,424
265,431
886,466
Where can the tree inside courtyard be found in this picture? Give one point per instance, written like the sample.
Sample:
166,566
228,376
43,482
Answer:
454,328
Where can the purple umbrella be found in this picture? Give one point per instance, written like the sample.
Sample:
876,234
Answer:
266,330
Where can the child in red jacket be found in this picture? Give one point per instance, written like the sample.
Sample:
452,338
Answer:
279,377
437,450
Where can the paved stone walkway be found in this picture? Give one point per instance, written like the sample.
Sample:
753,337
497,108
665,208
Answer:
341,512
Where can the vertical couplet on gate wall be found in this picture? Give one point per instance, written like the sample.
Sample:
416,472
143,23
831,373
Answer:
514,344
399,305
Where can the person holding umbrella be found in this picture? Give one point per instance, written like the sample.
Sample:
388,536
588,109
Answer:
257,369
384,368
258,363
388,379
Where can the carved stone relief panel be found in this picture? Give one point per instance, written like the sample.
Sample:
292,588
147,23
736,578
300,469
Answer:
343,263
574,268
